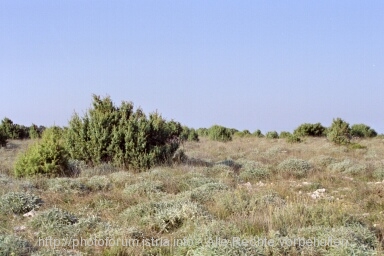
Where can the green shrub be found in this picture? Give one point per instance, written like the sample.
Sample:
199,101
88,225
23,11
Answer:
272,135
46,157
189,134
258,134
220,133
284,134
293,139
122,136
339,132
34,132
297,167
19,202
314,130
203,132
362,131
241,134
13,131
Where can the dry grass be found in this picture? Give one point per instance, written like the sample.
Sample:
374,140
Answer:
281,191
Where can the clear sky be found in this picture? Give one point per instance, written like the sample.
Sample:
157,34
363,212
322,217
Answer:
269,65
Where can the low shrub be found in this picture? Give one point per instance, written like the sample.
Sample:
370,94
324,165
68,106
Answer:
203,132
272,135
19,202
205,192
307,129
13,245
284,134
252,170
99,183
244,133
47,157
57,222
67,185
189,134
220,133
293,139
362,131
296,167
258,134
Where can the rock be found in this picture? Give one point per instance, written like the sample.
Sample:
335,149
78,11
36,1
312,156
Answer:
19,228
30,214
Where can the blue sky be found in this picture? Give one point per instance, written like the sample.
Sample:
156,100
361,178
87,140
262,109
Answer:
269,65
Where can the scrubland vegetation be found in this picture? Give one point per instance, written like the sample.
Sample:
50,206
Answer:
119,174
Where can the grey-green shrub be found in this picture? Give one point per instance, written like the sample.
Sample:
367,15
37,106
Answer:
220,133
13,245
54,218
339,132
307,129
47,156
122,136
272,135
253,170
19,202
297,167
362,131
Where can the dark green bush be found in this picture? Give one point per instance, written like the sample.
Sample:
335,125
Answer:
272,135
121,136
47,156
362,131
220,133
189,134
3,138
339,132
314,130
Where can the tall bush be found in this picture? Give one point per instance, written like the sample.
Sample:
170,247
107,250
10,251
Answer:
122,136
47,156
339,132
